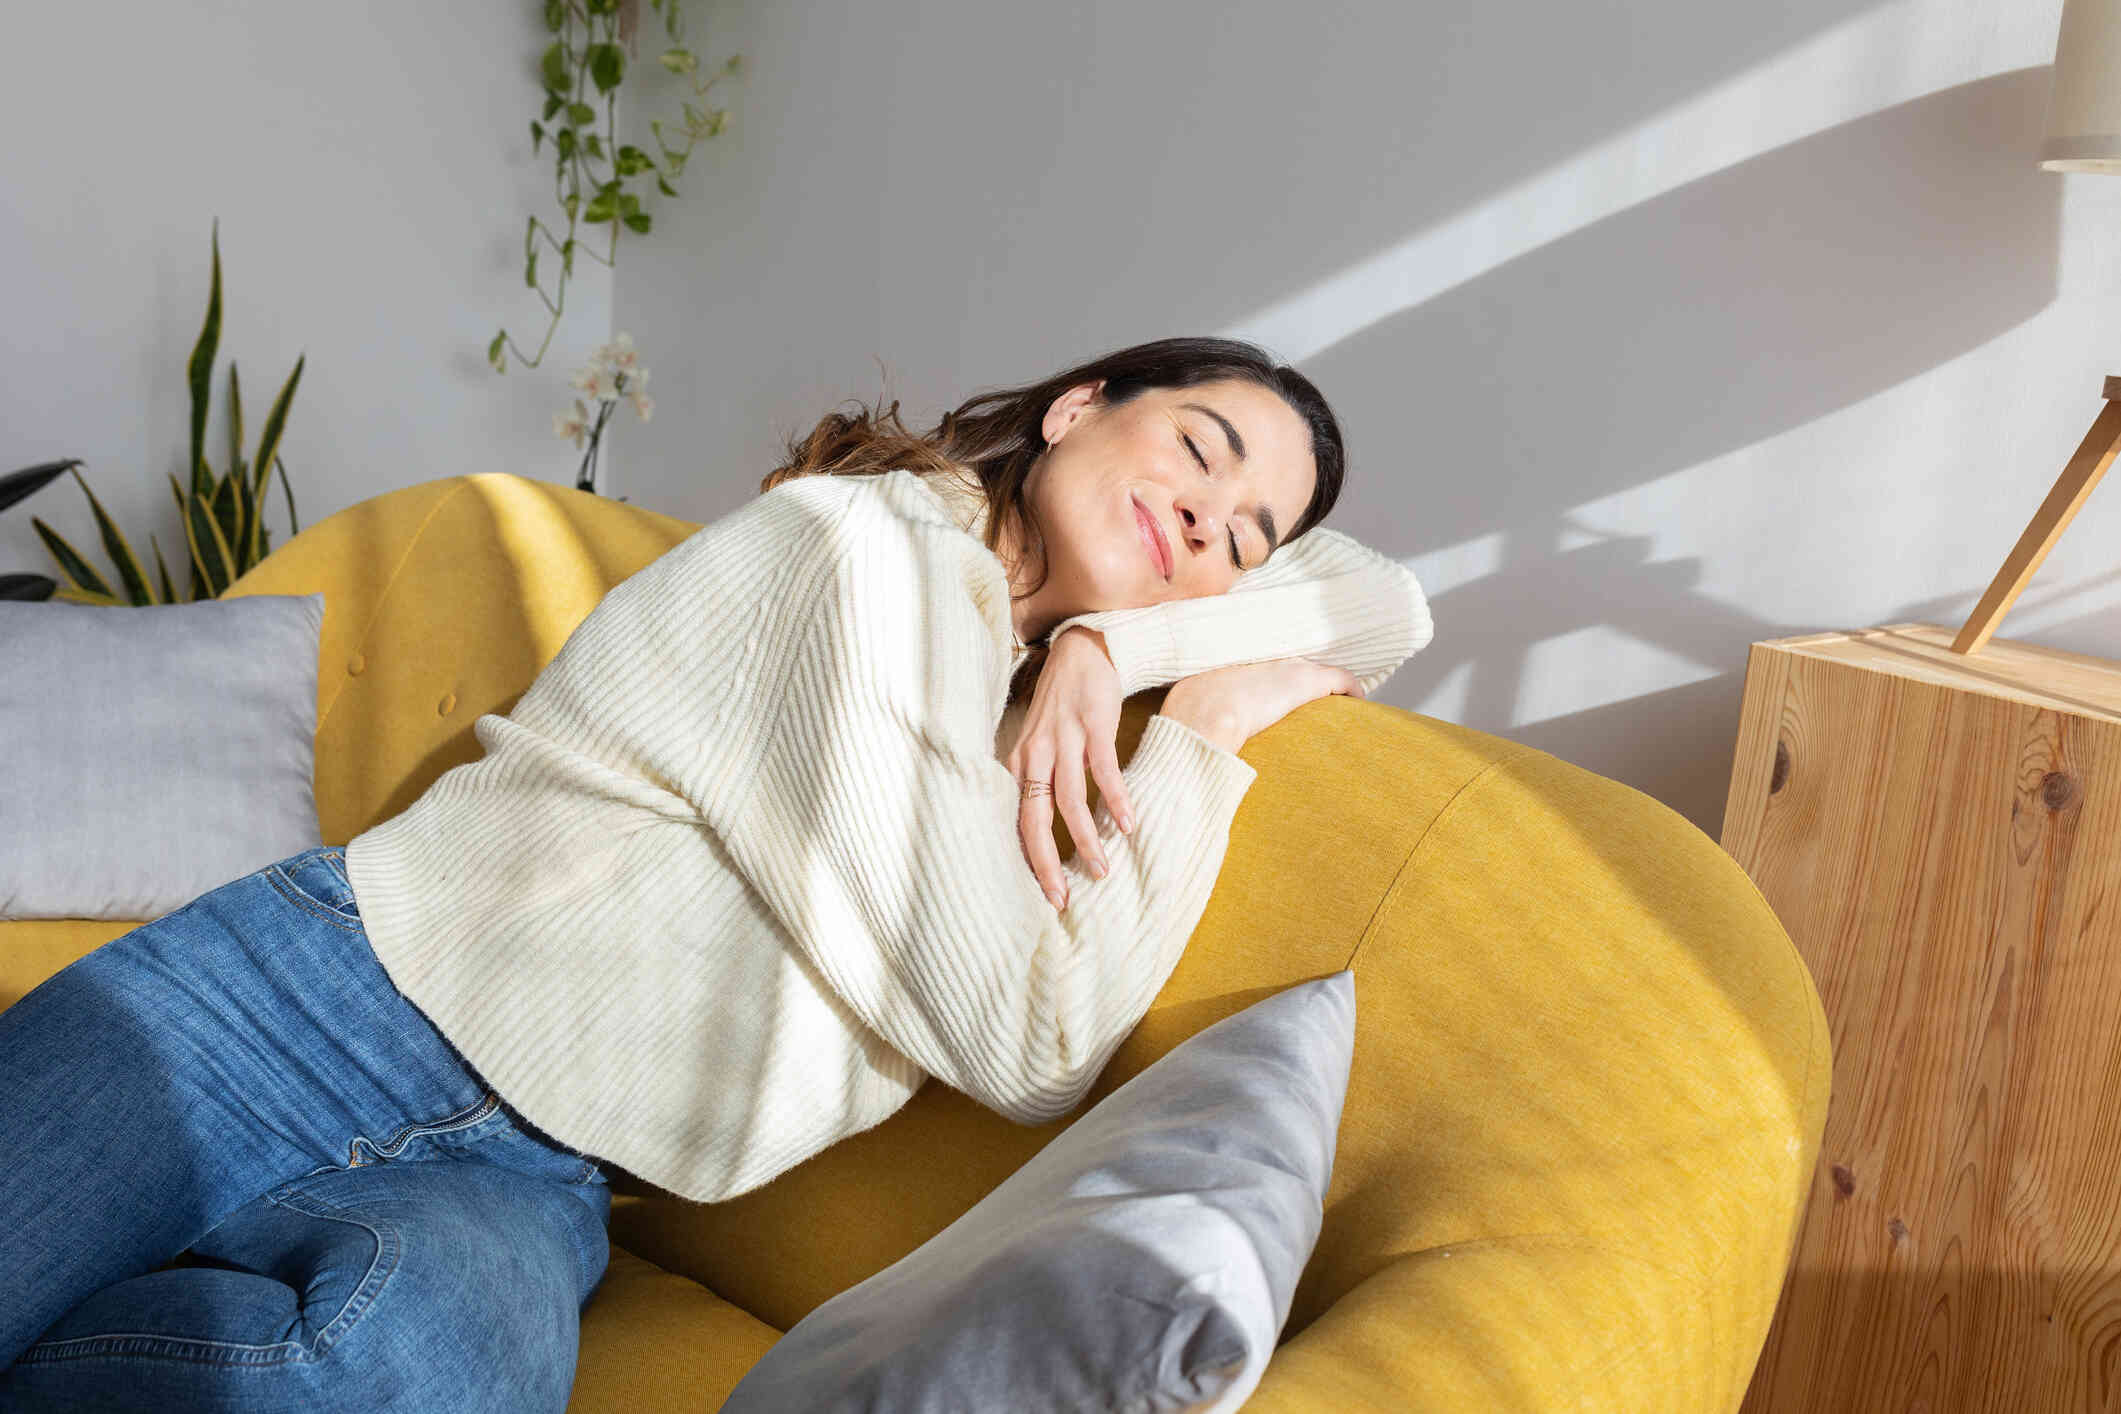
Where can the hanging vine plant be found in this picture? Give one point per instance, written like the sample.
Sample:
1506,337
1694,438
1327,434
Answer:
593,41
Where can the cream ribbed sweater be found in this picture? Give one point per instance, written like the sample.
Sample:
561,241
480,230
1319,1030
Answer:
740,870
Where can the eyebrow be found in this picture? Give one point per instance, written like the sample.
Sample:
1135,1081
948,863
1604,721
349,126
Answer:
1237,449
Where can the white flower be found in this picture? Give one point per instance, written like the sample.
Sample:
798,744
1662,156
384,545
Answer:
644,405
585,380
618,354
606,386
572,424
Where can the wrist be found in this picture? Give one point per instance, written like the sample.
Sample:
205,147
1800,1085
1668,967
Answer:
1217,726
1094,636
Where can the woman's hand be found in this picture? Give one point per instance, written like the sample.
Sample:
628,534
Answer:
1234,704
1073,717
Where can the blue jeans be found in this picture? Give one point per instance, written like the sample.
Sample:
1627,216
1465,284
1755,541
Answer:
240,1171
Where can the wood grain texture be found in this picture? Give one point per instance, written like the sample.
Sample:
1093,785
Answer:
1938,833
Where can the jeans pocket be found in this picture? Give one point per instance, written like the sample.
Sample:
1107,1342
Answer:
393,1146
319,875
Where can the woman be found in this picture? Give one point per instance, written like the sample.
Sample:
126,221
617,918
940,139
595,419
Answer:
731,881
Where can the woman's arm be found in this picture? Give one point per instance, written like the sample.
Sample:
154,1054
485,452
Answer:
1323,596
882,832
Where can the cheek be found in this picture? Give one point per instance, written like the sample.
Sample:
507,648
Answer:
1104,560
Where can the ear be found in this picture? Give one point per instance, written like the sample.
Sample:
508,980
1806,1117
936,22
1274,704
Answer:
1069,408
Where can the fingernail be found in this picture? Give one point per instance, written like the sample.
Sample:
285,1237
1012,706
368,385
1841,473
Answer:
1126,821
1098,867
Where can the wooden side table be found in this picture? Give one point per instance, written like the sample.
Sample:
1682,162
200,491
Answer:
1941,835
1933,817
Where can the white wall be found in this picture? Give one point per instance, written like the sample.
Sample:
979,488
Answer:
1655,328
371,169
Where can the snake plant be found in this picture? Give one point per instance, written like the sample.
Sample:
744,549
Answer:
223,514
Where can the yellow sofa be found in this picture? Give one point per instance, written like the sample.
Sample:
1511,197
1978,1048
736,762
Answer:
1590,1074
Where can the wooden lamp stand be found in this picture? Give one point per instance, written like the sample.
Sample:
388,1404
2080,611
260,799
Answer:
2094,455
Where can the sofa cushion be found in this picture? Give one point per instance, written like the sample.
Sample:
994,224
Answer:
1144,1260
155,752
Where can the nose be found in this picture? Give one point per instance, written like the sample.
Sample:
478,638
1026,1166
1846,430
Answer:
1205,516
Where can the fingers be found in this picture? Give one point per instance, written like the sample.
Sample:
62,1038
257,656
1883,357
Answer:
1034,824
1342,681
1111,781
1068,793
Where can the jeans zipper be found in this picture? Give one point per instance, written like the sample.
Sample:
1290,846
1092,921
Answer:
397,1143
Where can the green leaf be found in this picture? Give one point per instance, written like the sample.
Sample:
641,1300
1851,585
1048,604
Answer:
19,485
257,527
228,517
200,371
602,209
581,113
537,135
555,14
276,420
71,564
596,146
82,596
169,591
137,589
629,203
637,221
553,104
666,188
27,588
607,65
678,61
295,525
493,356
552,68
235,420
209,547
530,271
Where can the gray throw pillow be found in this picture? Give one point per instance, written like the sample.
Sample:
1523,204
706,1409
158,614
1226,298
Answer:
1143,1261
154,753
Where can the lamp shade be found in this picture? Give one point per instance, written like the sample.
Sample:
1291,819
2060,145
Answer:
2084,116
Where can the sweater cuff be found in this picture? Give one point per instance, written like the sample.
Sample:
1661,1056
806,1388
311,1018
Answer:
1141,642
1169,746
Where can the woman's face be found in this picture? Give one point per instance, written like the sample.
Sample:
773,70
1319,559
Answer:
1221,496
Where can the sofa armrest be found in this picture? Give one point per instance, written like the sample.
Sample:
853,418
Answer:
1537,1322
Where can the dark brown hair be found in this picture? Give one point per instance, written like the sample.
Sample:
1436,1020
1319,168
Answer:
996,436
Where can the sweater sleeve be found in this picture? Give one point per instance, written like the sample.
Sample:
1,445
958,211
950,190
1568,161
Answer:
882,831
1323,596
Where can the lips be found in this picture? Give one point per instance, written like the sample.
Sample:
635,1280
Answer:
1153,534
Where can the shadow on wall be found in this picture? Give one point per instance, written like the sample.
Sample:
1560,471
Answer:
1769,295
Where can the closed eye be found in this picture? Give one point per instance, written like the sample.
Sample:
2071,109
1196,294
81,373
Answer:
1204,466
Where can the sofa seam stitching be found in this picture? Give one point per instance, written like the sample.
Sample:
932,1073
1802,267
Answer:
383,595
1406,865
